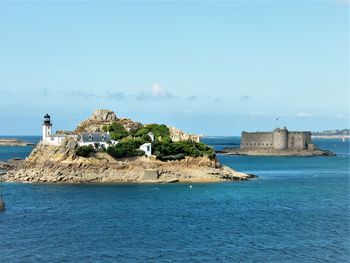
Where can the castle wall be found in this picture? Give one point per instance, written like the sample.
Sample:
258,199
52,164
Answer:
257,140
280,139
299,140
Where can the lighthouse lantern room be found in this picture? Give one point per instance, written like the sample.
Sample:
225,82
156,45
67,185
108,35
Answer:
47,127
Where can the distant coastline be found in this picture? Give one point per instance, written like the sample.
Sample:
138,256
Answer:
14,142
343,134
341,137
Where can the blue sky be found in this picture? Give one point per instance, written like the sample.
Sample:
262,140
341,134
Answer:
215,68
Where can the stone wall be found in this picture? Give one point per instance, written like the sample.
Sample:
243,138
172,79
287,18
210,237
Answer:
257,140
299,140
279,139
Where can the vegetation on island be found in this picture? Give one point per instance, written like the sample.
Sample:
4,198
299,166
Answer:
170,150
116,131
84,151
160,132
127,147
162,147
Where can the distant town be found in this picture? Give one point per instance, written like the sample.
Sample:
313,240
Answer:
343,134
333,132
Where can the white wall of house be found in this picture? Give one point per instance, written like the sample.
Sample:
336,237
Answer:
54,140
147,148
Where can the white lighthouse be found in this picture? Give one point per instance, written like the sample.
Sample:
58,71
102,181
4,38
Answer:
47,127
48,137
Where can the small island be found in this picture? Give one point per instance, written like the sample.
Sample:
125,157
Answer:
14,142
279,142
107,149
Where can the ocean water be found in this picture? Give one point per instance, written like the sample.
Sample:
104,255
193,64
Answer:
297,211
9,152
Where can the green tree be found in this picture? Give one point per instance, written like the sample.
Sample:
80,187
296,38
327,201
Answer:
159,130
126,148
116,131
173,150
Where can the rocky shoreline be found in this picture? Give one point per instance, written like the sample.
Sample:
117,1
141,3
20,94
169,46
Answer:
273,152
52,164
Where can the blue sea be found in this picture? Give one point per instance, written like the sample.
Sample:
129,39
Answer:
297,211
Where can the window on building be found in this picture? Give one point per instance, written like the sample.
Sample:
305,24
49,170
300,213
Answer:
103,137
91,137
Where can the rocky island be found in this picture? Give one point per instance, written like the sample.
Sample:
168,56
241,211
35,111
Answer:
107,149
14,142
279,142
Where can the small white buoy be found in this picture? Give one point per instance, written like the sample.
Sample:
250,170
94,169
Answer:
190,186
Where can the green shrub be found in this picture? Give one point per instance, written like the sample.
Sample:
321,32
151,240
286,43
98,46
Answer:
165,150
159,130
116,131
126,148
84,151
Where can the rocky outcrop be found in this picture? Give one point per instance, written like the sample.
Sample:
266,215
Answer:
129,124
95,123
101,118
52,164
178,135
104,115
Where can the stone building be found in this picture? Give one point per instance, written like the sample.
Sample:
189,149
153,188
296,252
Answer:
279,139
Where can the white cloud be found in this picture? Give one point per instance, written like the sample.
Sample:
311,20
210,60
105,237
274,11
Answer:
157,92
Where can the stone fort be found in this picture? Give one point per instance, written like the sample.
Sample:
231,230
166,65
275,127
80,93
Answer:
279,139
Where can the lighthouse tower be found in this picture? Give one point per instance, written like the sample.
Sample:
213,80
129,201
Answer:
47,127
